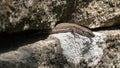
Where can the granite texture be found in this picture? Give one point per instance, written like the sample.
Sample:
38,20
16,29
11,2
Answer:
61,50
22,15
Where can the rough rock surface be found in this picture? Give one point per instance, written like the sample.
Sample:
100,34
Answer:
62,50
111,56
38,52
97,13
20,15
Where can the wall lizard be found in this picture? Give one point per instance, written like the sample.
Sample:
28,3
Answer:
74,28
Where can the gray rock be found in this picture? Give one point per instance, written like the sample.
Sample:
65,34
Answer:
21,15
29,14
76,49
94,14
62,50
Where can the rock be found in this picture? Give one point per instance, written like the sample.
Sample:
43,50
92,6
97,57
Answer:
82,48
41,53
62,50
111,56
94,14
58,50
43,15
30,14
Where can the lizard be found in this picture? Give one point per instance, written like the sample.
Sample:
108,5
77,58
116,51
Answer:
68,27
72,27
113,36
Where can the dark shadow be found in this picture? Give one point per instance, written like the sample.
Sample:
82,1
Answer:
13,41
116,27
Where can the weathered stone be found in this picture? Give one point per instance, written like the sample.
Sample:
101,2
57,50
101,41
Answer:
111,56
58,50
97,13
39,54
113,36
43,14
77,49
20,15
